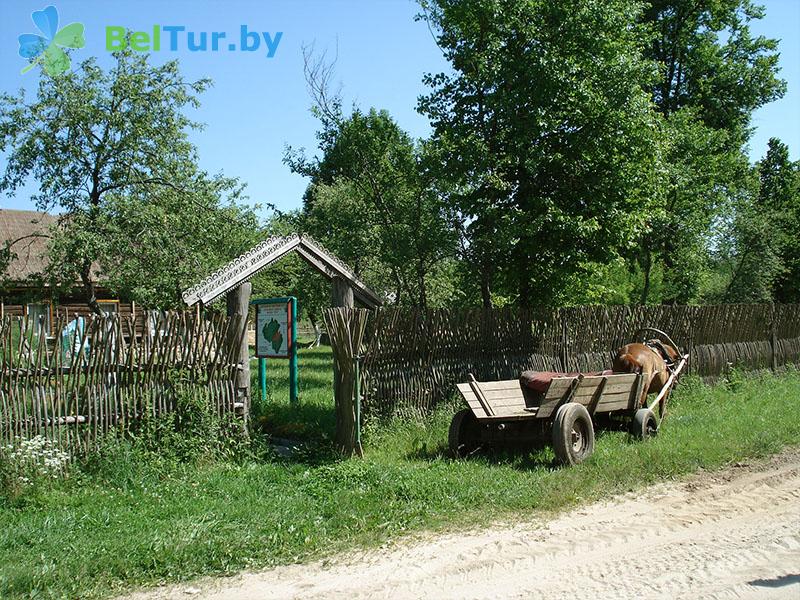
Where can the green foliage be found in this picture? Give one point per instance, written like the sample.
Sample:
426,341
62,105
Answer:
709,61
559,165
190,435
760,252
110,151
371,202
312,420
547,135
703,176
712,75
779,199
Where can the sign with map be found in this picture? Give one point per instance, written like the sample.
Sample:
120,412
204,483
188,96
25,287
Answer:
274,330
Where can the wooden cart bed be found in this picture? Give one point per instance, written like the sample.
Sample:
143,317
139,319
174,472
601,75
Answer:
508,400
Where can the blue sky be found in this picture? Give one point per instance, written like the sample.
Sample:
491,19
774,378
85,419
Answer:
260,104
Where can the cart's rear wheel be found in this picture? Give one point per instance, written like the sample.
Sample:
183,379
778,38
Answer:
573,434
465,434
644,424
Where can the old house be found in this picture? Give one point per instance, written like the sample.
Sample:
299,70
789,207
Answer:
23,288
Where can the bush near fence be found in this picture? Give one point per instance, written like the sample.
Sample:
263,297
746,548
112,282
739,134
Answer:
111,372
412,358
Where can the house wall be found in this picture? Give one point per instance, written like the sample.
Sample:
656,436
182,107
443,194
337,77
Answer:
68,310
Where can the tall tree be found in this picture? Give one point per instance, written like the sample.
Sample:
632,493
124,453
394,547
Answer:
779,201
713,73
757,257
548,134
710,61
702,177
110,151
370,197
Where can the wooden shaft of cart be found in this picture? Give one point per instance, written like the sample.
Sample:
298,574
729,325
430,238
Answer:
476,389
663,395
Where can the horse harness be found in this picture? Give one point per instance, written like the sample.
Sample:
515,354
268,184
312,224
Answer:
659,348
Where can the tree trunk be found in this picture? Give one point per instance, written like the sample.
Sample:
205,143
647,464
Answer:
525,299
317,331
486,292
423,297
648,267
89,289
341,293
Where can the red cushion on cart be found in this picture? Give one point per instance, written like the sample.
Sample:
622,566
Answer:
539,381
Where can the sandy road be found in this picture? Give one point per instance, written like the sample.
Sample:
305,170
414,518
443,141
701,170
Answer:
732,534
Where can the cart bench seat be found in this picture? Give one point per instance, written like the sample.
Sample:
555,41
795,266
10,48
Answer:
509,400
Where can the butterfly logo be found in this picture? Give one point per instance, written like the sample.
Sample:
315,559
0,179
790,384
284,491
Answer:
47,48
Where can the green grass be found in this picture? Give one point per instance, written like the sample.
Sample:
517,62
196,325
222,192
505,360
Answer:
312,418
96,535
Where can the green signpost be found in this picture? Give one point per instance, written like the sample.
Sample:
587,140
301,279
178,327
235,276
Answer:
276,337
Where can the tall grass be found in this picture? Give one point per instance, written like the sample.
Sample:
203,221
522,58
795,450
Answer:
97,534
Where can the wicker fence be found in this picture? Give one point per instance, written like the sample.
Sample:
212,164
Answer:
99,373
412,358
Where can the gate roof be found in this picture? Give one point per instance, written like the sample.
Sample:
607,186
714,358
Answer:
244,267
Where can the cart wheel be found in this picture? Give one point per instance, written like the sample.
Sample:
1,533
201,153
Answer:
465,434
573,434
644,424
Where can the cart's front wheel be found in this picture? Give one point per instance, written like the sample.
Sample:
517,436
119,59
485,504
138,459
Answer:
465,434
573,434
644,424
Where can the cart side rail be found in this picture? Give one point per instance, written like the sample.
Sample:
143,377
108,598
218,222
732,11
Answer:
507,400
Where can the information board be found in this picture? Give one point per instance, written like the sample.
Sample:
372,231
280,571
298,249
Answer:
274,330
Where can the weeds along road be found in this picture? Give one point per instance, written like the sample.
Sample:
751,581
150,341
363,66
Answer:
730,534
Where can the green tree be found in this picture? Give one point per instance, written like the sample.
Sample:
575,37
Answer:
157,244
713,73
370,197
779,193
766,246
548,135
709,61
702,177
110,151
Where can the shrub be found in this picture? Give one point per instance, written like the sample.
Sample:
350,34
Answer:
192,433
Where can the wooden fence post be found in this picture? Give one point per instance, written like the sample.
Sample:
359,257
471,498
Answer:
342,297
773,337
238,304
341,293
346,328
564,340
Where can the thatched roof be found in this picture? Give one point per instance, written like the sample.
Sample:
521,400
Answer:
28,233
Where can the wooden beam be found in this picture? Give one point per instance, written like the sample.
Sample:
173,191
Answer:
666,389
238,301
240,269
341,293
476,389
314,251
598,394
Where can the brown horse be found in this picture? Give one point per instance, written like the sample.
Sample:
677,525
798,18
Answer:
647,360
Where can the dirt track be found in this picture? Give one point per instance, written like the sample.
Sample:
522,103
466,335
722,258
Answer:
733,534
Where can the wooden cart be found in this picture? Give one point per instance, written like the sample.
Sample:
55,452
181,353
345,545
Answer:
564,413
